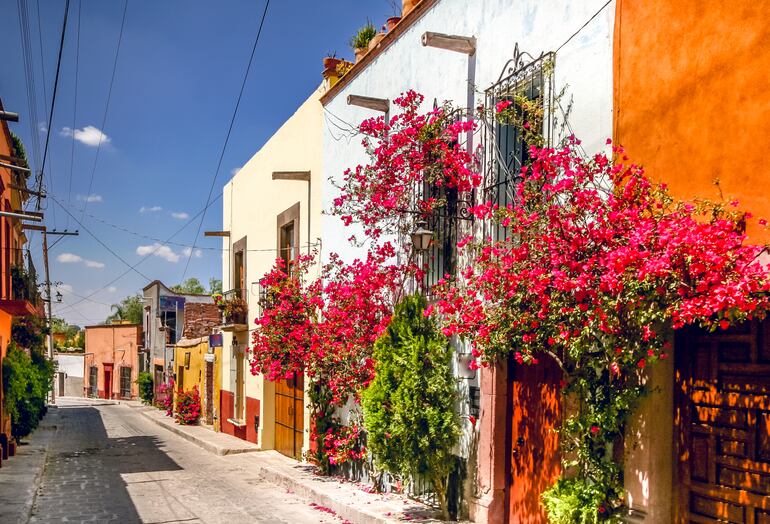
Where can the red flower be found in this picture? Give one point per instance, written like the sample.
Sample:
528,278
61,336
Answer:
595,430
502,105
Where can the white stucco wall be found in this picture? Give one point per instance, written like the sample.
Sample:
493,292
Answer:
582,78
583,70
72,365
252,201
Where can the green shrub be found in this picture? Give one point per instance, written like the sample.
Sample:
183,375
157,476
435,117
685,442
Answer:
361,39
409,408
146,389
576,501
27,379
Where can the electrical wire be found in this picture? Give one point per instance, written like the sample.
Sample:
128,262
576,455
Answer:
74,110
53,99
106,109
227,137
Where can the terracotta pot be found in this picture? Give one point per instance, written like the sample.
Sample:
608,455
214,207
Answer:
360,52
331,62
392,22
408,5
376,40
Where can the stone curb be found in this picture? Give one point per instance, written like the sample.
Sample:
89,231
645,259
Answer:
211,447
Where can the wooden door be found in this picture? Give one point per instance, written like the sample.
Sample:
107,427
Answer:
534,462
289,416
723,419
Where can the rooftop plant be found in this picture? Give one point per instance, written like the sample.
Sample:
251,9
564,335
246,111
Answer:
361,39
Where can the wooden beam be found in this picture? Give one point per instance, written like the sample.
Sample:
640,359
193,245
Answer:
458,44
216,233
33,227
291,175
9,158
369,102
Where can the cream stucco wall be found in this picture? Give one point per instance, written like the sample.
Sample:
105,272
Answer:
252,203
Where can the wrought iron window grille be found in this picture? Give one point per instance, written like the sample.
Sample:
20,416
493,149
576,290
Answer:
505,150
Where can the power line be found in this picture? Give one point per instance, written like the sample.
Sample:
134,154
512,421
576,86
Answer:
74,109
53,97
227,137
101,243
106,107
583,26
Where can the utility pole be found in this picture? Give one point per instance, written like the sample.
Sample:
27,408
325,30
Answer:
45,234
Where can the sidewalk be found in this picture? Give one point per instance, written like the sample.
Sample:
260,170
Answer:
348,500
20,475
211,441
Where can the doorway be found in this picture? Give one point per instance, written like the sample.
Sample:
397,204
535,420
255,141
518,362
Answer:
534,463
107,381
290,416
723,425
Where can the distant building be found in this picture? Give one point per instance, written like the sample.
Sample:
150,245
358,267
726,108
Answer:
197,362
162,326
111,361
69,374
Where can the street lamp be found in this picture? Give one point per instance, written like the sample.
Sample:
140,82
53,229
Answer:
421,237
58,296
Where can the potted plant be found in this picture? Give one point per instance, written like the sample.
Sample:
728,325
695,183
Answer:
393,22
235,311
407,6
331,61
376,39
360,41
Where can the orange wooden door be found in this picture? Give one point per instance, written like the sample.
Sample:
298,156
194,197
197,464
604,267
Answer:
289,416
534,458
723,418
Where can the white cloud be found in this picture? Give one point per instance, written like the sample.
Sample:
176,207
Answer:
89,135
150,209
181,215
42,127
64,287
158,250
186,252
71,258
112,289
91,198
234,171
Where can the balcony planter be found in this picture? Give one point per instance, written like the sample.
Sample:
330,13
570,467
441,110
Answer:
360,52
393,22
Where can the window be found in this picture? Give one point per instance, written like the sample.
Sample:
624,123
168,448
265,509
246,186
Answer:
528,87
287,249
125,382
287,233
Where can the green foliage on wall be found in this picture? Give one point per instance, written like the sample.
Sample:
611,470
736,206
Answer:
409,408
27,378
130,309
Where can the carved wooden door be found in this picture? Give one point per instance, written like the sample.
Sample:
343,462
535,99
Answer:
534,458
289,416
723,417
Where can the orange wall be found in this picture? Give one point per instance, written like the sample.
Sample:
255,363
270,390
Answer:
691,96
116,345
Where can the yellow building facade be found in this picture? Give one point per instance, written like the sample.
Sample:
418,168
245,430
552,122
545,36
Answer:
198,365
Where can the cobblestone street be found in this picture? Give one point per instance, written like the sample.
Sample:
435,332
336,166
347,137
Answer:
106,463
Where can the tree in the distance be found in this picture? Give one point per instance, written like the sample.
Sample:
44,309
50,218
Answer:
129,309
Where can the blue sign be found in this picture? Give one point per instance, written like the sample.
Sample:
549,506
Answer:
215,341
168,303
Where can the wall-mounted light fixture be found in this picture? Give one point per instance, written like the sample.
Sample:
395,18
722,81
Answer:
456,43
369,102
421,237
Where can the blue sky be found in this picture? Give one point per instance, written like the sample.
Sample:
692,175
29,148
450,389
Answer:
179,70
